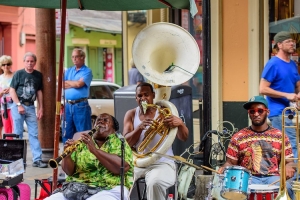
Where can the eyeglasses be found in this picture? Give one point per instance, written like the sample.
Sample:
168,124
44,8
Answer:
77,56
7,64
259,110
288,41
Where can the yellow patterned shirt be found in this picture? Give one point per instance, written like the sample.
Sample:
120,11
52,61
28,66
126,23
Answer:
89,170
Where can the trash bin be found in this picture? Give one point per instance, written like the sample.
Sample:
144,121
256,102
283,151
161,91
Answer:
124,100
181,97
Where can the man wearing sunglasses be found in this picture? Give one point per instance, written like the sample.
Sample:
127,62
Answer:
280,82
258,147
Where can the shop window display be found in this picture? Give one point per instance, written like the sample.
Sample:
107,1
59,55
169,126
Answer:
194,26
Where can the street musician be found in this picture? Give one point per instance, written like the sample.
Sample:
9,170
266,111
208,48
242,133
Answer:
95,165
161,174
258,147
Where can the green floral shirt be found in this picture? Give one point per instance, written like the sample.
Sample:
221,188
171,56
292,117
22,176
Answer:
89,170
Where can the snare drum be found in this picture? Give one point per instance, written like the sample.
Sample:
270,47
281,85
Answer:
263,192
235,185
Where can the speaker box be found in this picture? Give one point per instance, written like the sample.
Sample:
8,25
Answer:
124,100
181,97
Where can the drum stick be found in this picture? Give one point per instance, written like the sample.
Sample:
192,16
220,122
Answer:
274,182
210,169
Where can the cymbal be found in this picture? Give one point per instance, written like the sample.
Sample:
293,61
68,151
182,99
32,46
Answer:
178,159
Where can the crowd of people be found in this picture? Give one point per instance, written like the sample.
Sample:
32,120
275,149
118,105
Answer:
93,169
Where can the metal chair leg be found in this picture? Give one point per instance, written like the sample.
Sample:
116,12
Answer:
138,188
145,192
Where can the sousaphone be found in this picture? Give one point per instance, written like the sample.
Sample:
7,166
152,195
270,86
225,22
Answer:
167,55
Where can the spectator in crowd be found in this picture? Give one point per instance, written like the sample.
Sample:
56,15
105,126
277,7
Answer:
135,77
6,100
26,87
77,86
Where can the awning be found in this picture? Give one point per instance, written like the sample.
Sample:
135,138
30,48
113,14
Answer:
110,5
291,25
100,21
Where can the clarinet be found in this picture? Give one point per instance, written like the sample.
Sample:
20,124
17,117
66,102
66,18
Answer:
70,149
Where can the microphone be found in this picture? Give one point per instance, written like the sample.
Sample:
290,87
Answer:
120,136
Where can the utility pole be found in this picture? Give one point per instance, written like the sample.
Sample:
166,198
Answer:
46,64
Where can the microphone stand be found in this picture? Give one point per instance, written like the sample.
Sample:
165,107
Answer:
122,169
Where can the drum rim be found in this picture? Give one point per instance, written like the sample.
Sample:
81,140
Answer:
237,167
263,191
233,190
263,188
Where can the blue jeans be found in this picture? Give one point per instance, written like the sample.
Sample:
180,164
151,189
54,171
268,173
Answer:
78,118
31,120
265,180
290,132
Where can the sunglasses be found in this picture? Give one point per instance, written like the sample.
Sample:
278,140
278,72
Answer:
259,110
7,64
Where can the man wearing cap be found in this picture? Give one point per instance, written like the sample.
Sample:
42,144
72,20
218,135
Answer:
258,147
280,82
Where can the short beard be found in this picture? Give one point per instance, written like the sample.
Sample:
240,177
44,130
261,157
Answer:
260,123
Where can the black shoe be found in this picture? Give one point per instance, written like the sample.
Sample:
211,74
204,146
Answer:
39,164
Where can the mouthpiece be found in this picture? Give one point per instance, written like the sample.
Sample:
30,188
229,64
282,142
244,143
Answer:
144,106
94,130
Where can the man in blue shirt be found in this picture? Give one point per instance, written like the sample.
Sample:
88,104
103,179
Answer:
280,82
77,86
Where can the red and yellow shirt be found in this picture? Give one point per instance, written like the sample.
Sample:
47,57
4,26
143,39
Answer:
259,152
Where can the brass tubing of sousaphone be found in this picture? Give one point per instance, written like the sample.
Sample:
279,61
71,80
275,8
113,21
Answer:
53,163
282,193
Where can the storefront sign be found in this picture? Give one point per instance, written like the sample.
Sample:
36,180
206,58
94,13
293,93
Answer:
108,42
80,41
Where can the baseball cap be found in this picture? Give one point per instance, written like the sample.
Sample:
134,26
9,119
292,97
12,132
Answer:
255,99
281,36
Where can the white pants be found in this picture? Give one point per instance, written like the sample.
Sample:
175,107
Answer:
113,194
159,177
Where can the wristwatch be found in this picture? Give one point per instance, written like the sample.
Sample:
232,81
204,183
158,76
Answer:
18,104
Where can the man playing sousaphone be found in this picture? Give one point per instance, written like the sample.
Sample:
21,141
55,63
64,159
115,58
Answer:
161,174
258,147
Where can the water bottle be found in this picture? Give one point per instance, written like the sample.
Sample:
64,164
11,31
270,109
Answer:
170,197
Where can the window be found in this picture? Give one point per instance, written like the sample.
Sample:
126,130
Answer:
100,92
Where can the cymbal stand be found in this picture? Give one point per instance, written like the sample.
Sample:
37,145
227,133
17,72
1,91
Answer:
209,187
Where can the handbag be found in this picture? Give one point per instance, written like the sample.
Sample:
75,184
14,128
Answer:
4,104
184,178
78,191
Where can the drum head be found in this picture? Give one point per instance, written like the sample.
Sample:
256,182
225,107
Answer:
260,187
233,195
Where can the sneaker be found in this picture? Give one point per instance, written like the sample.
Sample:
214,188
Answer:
39,164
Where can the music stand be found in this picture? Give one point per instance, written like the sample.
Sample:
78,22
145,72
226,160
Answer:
122,167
